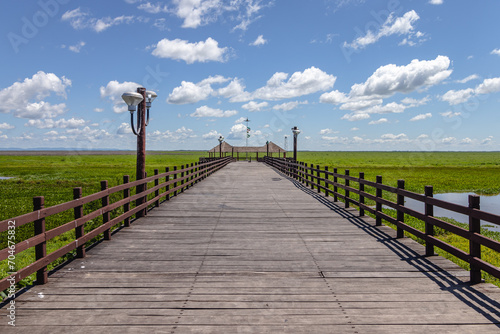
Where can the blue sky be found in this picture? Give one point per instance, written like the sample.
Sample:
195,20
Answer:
351,74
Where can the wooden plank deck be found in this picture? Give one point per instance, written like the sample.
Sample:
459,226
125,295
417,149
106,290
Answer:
249,251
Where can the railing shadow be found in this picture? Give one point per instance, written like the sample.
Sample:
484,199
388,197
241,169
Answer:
464,291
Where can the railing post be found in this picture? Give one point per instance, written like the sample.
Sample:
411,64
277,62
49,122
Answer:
361,197
306,176
105,215
474,247
182,181
80,230
327,186
346,192
191,172
400,214
335,189
157,191
196,169
126,194
41,248
378,205
175,183
145,198
318,177
429,228
312,176
167,187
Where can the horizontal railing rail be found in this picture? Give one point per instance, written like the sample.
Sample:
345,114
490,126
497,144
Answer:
330,182
172,185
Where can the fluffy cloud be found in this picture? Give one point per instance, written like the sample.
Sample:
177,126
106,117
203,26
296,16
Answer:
392,26
82,20
288,105
148,7
421,117
211,135
456,97
114,90
367,98
238,131
197,13
436,2
124,129
496,52
488,86
469,78
190,52
309,81
380,121
62,123
178,136
391,78
259,41
6,126
206,111
25,99
254,106
189,92
334,97
278,87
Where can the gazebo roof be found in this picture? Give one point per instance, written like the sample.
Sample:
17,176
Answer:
227,148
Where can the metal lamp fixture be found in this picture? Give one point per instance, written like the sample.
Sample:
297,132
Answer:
133,99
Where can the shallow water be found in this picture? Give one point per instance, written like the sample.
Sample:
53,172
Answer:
5,177
489,204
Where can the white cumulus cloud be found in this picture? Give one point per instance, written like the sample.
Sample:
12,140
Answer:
26,99
114,90
202,51
392,26
421,117
205,111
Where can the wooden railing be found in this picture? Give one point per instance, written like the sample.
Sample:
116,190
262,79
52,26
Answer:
176,180
330,182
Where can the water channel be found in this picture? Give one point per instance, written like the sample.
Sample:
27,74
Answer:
489,204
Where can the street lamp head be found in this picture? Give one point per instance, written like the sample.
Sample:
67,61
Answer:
132,99
150,96
221,139
295,131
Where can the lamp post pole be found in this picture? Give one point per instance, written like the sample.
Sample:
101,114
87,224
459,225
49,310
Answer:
140,101
141,142
295,132
221,139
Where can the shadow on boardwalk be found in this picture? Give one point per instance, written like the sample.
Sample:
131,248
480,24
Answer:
464,291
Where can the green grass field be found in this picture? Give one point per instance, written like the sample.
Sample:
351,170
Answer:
55,176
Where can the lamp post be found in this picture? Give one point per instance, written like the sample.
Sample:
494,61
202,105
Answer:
140,100
221,139
295,132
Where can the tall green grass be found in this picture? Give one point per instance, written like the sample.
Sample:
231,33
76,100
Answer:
54,177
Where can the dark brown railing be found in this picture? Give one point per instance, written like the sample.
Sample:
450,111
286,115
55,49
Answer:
176,181
323,179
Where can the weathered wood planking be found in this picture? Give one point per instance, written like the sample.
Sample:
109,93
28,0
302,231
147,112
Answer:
250,251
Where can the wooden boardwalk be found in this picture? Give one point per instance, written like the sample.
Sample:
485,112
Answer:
250,251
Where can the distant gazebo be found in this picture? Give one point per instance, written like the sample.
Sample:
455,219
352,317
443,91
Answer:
270,149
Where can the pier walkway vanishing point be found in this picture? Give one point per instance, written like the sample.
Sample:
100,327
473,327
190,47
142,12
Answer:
251,251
